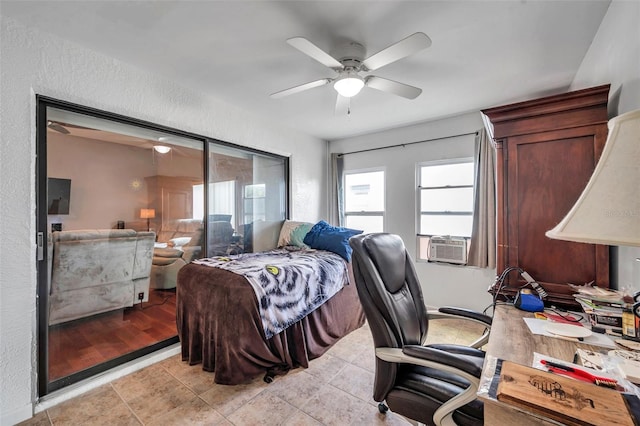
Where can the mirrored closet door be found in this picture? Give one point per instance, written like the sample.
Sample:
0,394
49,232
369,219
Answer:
122,207
119,225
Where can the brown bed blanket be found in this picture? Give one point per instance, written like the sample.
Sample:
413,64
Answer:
219,325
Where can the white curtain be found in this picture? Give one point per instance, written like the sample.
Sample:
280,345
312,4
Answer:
482,250
336,215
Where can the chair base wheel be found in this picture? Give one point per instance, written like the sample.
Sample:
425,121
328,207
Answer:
383,408
268,378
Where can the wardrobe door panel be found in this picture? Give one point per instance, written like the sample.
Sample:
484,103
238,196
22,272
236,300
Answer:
547,150
547,175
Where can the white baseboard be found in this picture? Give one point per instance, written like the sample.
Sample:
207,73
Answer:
79,388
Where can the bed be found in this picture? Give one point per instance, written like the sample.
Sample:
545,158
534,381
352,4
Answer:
220,323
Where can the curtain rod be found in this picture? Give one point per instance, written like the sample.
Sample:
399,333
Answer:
408,143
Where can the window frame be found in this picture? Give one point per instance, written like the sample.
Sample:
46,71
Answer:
424,239
363,213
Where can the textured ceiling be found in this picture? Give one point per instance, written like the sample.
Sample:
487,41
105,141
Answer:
484,53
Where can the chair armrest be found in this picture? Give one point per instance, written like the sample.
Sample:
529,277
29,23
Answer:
469,367
466,314
190,253
432,357
452,311
167,252
469,363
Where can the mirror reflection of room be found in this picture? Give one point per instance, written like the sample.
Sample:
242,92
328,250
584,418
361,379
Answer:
127,208
116,195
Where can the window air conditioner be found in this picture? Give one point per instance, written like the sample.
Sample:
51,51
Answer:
448,249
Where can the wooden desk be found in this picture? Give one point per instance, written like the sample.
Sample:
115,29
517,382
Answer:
511,340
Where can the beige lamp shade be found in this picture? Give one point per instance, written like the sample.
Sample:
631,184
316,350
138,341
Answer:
147,213
608,211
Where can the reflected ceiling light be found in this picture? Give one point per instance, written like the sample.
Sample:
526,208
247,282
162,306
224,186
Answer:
348,84
162,149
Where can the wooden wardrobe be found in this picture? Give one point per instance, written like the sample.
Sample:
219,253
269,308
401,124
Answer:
547,150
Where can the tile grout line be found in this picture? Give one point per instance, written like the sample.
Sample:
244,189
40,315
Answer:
126,404
48,417
194,391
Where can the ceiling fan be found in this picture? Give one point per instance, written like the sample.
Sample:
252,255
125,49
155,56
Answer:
62,127
58,127
350,62
160,145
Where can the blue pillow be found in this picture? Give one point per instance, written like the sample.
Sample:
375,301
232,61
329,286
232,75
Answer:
323,236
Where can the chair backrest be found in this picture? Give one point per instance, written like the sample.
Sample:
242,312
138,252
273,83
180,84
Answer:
391,296
97,270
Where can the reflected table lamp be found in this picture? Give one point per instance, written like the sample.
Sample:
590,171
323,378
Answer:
608,211
147,214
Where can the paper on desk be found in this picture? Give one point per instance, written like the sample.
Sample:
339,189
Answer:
537,326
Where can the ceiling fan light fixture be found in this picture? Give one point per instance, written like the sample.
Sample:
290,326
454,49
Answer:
349,84
162,149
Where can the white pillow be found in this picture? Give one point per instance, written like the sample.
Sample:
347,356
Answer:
285,232
180,241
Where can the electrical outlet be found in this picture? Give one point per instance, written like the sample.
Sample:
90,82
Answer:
140,296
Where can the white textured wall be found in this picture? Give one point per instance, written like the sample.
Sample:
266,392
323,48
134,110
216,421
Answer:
441,284
36,63
614,57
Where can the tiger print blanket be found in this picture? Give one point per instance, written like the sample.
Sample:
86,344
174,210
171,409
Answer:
288,284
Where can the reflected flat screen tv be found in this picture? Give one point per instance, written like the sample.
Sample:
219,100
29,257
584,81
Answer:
58,195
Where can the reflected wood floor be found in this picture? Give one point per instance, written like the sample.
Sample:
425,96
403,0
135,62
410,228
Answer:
77,345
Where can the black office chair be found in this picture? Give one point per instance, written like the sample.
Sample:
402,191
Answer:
432,384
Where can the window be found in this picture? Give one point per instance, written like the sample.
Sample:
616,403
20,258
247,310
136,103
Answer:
222,199
247,192
445,200
364,200
254,202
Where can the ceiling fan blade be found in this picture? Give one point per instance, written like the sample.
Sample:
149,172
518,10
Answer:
343,105
57,127
390,86
405,47
300,88
310,49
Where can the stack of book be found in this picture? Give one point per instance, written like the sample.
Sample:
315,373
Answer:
604,307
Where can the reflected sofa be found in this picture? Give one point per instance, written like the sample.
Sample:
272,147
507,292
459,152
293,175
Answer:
179,242
97,270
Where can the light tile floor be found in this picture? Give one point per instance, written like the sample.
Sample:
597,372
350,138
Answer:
335,390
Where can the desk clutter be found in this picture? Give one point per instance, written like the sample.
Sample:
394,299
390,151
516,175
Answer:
610,310
617,354
600,387
625,362
555,396
575,332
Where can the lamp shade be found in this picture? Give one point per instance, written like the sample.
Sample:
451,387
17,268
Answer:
608,211
349,84
162,149
147,213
